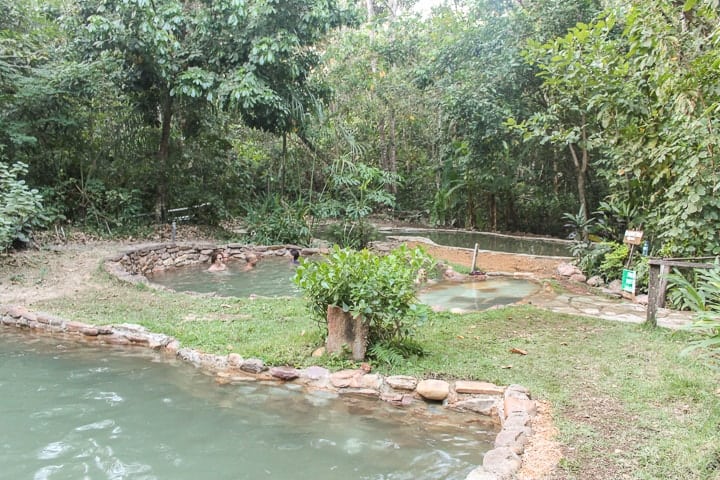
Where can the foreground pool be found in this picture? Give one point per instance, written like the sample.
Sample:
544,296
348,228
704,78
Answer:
71,412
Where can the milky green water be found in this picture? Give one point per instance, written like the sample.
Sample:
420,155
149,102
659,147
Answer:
69,412
476,295
271,277
489,241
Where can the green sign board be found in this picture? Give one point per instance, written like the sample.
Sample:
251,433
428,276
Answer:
628,281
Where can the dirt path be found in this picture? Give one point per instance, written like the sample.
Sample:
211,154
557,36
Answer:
54,271
541,267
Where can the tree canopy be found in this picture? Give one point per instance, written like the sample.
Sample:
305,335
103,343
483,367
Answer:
495,115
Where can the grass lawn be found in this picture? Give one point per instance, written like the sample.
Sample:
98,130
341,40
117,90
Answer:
626,403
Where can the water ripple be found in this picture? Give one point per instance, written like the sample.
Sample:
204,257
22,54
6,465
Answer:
53,450
45,472
111,398
101,425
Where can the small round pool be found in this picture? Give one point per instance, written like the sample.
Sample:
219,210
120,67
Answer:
476,295
271,277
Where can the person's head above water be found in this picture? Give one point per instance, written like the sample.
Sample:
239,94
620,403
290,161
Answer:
295,254
217,261
250,261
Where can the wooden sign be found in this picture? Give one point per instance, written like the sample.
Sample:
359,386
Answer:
633,237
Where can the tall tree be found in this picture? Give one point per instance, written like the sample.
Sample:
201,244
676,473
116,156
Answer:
484,80
177,56
662,124
570,91
647,94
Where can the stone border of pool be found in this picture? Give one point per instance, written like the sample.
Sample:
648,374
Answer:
134,264
511,407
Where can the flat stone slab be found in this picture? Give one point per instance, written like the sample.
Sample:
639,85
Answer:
478,388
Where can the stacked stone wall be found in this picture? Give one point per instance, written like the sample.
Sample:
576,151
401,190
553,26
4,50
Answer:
134,265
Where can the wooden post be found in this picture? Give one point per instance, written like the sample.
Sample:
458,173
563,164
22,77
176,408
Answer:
653,294
474,258
630,256
657,283
662,285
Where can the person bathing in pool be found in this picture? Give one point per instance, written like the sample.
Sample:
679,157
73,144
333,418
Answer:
251,260
295,256
217,262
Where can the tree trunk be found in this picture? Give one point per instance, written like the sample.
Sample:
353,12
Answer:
581,164
163,155
393,7
511,220
492,202
580,172
370,10
392,151
346,334
283,162
471,209
383,142
436,149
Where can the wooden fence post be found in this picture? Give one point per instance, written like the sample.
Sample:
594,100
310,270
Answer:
653,293
657,283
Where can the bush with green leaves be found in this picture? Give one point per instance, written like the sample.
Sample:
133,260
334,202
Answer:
381,288
608,259
642,274
614,260
355,190
579,224
615,215
276,221
94,205
20,206
702,296
589,256
352,234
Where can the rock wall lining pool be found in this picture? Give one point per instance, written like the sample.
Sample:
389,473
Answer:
133,265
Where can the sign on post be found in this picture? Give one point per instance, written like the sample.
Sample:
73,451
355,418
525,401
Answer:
633,237
628,281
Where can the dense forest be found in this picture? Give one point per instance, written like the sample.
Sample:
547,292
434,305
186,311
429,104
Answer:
534,116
